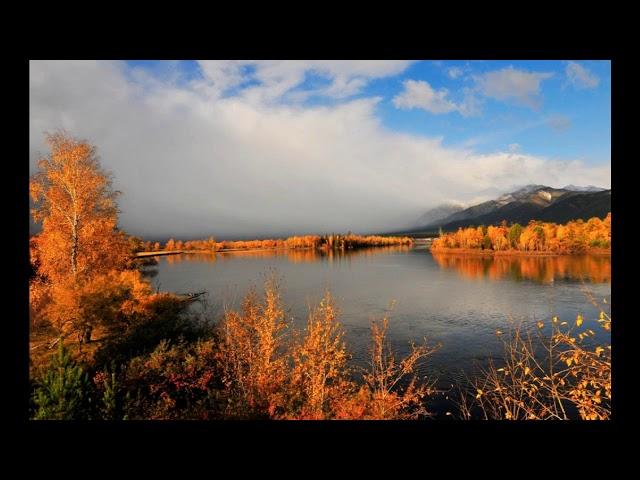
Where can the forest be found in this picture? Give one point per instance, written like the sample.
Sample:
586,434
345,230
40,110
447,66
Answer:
105,346
571,238
324,242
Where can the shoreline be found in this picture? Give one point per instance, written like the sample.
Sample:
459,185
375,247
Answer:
517,253
226,250
233,250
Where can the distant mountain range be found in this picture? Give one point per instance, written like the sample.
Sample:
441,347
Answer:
532,202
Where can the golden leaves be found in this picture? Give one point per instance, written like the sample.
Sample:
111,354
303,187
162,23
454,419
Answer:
579,320
573,237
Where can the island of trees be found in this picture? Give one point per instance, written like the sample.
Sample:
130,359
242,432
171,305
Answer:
574,237
321,242
105,346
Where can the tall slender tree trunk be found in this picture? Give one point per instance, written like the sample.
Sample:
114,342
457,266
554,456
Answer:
74,247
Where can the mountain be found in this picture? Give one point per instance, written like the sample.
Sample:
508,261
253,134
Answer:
585,206
531,202
588,188
438,213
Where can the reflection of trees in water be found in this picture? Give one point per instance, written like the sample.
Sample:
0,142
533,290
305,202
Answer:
191,257
149,272
543,269
344,255
293,255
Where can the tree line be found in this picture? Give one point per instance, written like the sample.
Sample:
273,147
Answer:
573,237
332,241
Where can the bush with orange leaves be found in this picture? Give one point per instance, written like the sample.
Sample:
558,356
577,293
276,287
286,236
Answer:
305,374
391,389
559,376
319,380
253,364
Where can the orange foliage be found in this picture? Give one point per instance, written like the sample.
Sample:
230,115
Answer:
383,397
574,237
252,365
76,205
306,375
297,242
80,257
319,379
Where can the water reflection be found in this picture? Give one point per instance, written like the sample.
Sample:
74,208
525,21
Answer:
292,255
541,269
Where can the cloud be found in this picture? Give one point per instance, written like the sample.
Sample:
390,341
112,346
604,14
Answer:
512,85
559,123
420,94
508,85
454,72
580,77
191,164
270,80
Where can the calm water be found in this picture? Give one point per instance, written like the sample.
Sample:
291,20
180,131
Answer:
456,300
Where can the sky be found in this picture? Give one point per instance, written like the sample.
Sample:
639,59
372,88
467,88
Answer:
242,149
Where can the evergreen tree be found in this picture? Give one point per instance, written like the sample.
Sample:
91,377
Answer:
64,391
514,234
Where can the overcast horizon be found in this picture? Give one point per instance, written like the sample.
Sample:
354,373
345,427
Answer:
267,148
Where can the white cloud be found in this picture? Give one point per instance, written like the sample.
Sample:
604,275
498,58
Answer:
454,72
420,94
580,77
190,164
514,147
274,78
510,84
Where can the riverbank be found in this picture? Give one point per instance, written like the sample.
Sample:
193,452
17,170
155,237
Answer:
507,253
231,250
178,252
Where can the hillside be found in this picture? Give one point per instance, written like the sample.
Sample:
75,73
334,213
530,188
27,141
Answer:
533,202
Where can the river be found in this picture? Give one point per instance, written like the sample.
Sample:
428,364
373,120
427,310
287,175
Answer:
457,301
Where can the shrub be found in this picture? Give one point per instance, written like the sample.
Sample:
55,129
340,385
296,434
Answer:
252,356
179,381
560,376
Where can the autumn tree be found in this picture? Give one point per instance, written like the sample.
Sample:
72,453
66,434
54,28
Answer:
76,205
